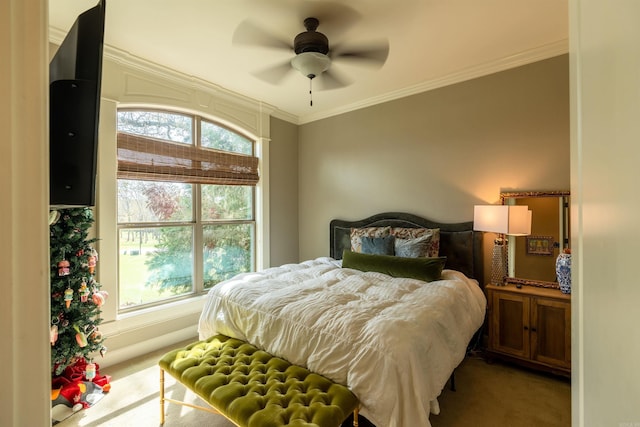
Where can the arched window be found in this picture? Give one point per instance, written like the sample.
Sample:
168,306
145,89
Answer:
186,205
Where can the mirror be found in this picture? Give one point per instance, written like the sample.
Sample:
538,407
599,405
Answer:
532,259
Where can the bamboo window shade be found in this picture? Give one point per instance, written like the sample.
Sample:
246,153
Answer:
149,159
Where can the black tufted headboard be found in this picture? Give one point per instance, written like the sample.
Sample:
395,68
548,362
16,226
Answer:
458,242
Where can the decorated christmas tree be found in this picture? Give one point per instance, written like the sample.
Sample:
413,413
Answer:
76,301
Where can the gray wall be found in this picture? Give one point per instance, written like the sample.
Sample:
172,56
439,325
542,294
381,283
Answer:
283,191
437,153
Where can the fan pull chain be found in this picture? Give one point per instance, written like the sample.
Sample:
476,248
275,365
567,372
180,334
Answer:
310,92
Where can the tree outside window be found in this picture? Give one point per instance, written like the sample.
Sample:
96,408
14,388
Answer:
180,237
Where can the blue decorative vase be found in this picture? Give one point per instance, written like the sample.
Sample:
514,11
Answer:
563,272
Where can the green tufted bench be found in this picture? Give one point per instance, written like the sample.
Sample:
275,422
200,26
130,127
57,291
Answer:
253,388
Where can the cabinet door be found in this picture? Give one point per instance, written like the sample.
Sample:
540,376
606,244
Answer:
551,332
510,324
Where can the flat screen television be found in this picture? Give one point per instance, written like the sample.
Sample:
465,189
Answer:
75,75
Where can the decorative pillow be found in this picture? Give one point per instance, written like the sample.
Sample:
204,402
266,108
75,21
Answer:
413,233
426,269
413,248
378,245
358,233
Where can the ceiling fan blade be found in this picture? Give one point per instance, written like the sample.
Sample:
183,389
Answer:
275,73
331,79
249,33
372,53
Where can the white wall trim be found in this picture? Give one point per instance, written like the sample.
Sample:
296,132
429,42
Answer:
129,60
138,348
499,64
24,186
263,206
132,83
577,194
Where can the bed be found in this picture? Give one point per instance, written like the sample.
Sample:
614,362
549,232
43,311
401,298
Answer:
394,341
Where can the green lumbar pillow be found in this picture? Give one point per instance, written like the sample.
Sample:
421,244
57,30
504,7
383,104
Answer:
427,269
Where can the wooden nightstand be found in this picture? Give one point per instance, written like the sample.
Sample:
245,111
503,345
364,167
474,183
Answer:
531,326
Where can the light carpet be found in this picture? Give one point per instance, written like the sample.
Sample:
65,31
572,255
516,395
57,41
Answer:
488,395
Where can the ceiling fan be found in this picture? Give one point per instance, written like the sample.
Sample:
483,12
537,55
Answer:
314,56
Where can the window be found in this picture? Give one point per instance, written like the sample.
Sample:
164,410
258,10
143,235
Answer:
186,217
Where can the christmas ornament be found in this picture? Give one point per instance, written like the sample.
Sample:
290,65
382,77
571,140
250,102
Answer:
103,351
68,296
92,264
100,297
96,336
90,371
72,285
93,260
54,216
89,330
53,335
81,338
63,268
84,290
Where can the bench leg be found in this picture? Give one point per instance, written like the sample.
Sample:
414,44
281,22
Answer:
355,417
161,396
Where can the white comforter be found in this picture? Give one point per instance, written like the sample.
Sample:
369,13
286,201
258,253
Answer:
393,341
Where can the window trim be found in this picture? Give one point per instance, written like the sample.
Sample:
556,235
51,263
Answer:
197,223
133,83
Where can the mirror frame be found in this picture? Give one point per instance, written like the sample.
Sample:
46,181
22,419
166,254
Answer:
519,195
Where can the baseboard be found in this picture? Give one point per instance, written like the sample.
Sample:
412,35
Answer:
141,348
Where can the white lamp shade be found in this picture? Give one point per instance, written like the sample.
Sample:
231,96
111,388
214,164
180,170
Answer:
311,64
503,219
519,221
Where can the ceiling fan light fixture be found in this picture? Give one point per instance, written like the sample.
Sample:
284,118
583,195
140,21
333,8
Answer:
311,64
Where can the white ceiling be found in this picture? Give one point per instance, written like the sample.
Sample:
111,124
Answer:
431,43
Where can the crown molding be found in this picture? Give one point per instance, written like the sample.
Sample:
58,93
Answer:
539,53
56,36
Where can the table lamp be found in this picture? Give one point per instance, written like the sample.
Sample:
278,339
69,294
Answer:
504,220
